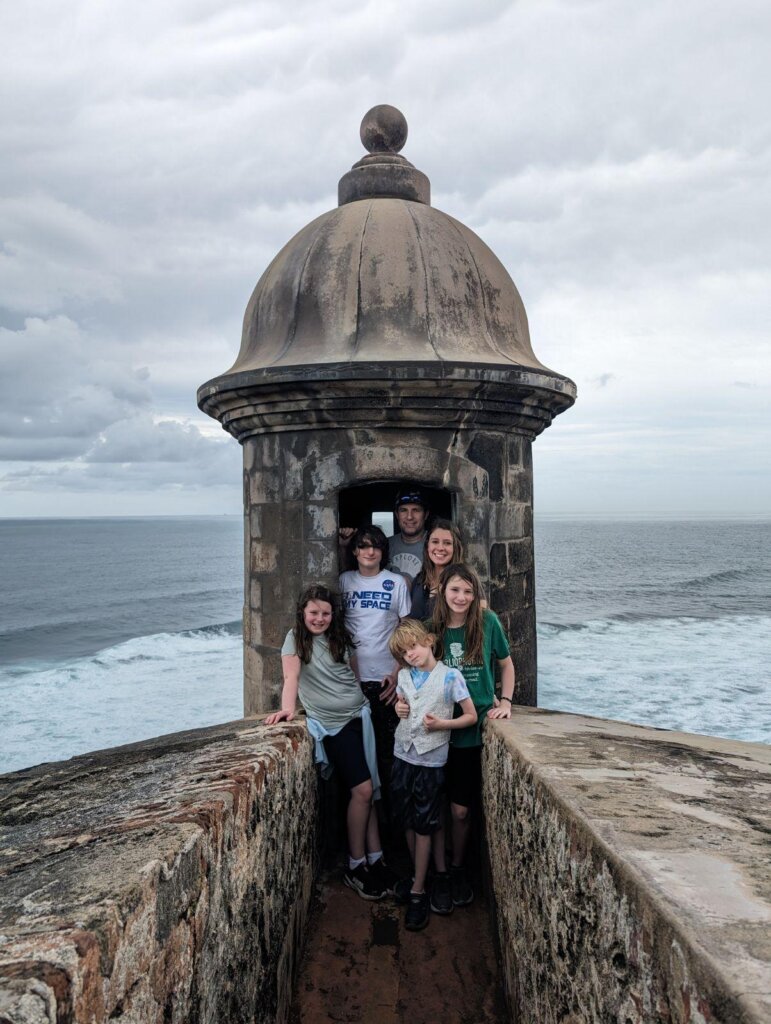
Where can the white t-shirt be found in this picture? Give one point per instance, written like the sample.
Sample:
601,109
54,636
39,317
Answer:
373,607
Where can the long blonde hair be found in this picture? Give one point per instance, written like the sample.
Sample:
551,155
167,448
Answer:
474,631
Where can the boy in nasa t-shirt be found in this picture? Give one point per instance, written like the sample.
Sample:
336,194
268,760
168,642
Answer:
375,600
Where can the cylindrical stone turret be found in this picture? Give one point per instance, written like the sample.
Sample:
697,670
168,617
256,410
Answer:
384,343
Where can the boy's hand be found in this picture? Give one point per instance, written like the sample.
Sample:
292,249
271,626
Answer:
402,708
432,723
388,688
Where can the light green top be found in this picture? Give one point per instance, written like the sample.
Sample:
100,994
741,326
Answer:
328,689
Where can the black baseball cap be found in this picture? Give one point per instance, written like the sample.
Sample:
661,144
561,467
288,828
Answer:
410,496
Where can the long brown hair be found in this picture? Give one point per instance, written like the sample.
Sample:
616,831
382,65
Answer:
339,639
440,623
424,577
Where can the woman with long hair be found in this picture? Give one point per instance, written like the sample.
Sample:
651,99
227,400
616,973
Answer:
444,546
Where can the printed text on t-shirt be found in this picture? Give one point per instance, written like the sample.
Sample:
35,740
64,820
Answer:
368,599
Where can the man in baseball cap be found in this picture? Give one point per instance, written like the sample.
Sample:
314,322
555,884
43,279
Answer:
405,548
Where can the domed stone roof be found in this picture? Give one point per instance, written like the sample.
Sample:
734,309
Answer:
385,290
385,278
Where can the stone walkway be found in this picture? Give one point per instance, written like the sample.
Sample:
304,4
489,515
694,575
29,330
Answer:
361,964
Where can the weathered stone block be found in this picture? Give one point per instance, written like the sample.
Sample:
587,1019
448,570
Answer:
488,451
321,561
629,869
264,557
520,555
320,522
510,520
159,882
519,487
498,563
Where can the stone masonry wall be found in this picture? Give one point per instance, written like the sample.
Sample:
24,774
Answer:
291,488
630,872
166,881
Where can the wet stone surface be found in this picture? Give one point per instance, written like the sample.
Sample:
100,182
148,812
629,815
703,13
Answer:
361,964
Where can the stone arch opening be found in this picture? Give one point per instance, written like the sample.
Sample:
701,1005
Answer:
373,502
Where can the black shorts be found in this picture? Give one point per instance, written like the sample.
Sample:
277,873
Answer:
345,751
464,775
416,796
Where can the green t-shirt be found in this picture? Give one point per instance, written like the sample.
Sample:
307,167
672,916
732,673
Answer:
479,678
328,689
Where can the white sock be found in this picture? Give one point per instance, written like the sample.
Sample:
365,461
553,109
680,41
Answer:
372,858
353,863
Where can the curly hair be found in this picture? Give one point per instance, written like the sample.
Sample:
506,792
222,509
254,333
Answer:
341,643
440,622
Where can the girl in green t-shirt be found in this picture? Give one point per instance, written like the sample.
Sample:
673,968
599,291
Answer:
469,637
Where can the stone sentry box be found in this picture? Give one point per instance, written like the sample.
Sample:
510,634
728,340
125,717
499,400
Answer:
384,343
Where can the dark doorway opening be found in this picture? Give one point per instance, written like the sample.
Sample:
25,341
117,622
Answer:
374,503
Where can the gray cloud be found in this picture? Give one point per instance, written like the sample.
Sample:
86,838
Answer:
615,156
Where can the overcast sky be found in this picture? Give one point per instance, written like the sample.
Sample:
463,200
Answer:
615,156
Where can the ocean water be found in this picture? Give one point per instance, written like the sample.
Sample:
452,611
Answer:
116,630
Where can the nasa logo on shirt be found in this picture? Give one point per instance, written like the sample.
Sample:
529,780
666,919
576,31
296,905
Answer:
388,584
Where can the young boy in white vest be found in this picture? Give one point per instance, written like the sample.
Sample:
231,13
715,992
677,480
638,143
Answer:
428,691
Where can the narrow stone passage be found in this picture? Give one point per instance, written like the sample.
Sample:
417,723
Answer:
361,964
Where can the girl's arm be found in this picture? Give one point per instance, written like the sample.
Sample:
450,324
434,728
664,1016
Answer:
503,710
469,717
290,664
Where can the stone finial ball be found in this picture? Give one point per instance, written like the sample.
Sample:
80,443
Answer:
383,129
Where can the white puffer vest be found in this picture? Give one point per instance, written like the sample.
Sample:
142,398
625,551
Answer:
429,699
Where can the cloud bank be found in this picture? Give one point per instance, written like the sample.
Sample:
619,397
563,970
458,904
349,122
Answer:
615,156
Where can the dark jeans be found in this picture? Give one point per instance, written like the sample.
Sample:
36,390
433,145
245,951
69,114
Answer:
384,722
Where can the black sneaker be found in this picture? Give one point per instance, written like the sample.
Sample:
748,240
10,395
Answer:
361,881
417,914
441,893
402,889
383,876
462,893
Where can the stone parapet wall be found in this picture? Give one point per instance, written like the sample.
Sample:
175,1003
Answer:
166,881
630,872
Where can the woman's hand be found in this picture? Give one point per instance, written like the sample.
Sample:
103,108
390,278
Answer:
279,716
402,708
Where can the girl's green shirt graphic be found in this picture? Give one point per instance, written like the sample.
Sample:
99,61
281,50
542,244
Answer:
479,678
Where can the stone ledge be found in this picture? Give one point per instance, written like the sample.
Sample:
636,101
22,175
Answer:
630,870
162,881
